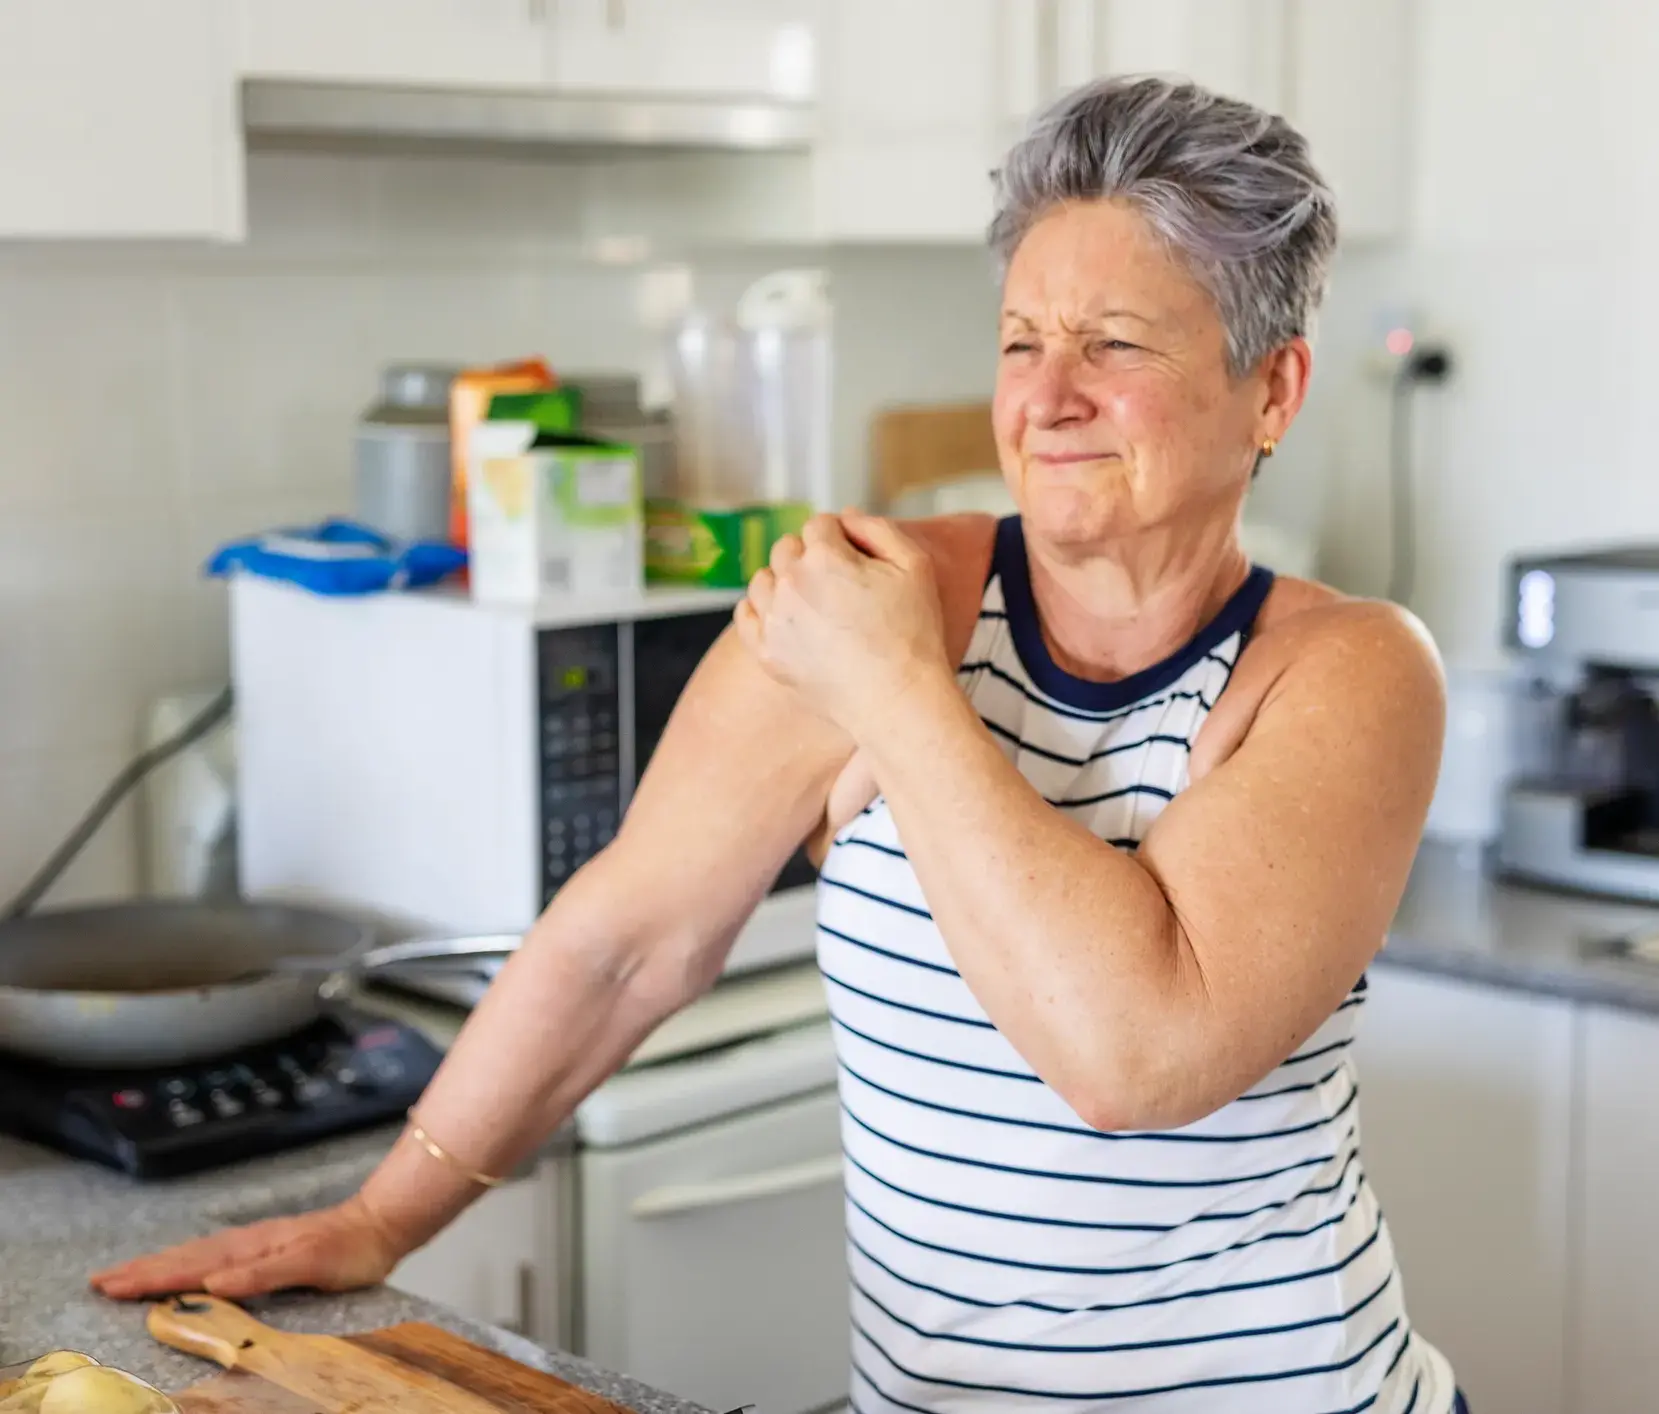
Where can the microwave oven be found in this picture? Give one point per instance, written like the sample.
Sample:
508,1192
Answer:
447,766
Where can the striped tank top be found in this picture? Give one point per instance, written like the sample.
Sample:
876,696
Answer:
1004,1255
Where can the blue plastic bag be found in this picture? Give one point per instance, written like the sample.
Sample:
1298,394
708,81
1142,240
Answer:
338,557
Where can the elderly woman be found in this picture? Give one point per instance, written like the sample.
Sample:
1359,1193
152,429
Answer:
1111,824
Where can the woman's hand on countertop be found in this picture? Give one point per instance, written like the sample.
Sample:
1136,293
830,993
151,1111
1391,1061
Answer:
334,1249
849,616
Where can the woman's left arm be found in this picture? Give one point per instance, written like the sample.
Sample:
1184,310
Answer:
1150,989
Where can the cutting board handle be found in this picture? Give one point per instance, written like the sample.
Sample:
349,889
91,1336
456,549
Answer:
205,1326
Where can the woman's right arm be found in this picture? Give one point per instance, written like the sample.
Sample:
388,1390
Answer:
739,780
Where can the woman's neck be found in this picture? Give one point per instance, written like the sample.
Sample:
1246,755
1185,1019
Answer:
1109,614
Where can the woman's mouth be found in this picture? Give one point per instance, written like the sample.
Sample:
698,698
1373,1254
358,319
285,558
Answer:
1069,458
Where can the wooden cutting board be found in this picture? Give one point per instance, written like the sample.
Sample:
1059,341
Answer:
410,1369
913,447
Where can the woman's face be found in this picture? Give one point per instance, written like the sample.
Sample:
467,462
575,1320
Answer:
1115,411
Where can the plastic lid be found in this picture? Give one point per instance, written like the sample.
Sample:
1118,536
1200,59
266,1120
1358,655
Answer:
417,385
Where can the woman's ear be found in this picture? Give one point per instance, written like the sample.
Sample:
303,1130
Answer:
1284,387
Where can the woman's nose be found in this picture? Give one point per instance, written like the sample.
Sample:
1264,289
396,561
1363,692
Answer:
1055,396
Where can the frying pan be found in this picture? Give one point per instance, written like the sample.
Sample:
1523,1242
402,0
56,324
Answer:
158,983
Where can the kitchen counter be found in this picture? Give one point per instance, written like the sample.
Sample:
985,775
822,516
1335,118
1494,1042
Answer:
60,1220
1456,920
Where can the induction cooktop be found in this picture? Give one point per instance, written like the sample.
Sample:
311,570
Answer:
348,1070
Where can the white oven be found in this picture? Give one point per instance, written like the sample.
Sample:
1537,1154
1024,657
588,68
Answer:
423,757
692,1235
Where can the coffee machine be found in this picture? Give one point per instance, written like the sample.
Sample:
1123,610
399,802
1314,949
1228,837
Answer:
1583,813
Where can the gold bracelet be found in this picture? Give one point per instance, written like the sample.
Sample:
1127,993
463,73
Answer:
431,1145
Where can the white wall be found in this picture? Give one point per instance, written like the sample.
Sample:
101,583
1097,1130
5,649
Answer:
156,402
1536,173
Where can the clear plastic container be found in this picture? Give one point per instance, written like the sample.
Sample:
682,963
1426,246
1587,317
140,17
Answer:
751,397
69,1382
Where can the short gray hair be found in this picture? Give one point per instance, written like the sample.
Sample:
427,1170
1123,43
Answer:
1230,187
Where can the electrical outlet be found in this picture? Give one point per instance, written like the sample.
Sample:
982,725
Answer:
1400,339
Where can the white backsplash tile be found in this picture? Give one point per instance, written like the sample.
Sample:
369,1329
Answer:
83,393
272,371
43,795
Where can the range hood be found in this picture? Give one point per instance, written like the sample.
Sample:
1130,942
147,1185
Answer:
291,113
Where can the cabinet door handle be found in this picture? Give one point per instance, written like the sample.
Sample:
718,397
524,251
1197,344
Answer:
690,1197
524,1316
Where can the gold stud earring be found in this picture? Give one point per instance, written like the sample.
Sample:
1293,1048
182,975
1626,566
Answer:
1268,444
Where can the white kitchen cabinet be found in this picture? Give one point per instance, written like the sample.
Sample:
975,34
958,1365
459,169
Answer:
503,1260
713,48
443,43
1616,1369
714,1258
920,100
118,119
1466,1096
1339,72
1348,90
1238,48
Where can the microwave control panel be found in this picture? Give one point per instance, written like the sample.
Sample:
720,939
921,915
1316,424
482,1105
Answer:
580,672
606,693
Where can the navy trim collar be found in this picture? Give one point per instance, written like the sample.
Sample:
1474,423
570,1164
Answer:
1013,571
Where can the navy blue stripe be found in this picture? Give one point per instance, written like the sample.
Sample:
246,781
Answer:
1324,1079
1229,1289
997,729
1060,709
935,1060
1173,1136
1322,1051
1325,1191
1399,1354
1416,1389
884,952
1336,1318
909,908
1218,1382
1118,794
905,1006
864,1375
879,848
1314,1162
1351,1002
1143,1269
995,615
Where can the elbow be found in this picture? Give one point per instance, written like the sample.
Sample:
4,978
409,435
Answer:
1135,1090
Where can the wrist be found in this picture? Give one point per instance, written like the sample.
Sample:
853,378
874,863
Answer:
395,1244
913,718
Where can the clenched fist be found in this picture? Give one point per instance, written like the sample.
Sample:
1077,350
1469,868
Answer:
848,615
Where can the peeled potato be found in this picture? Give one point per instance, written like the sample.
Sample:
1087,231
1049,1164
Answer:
25,1397
57,1362
96,1389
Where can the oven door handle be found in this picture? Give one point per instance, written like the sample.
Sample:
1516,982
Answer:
769,1183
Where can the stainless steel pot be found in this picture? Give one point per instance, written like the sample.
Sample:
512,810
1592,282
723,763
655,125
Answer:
161,983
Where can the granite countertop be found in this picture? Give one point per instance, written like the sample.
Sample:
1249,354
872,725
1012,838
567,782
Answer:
61,1219
1458,921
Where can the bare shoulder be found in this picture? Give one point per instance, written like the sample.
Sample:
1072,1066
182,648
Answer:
960,547
1316,648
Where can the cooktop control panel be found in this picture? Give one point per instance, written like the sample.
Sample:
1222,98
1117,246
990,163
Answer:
346,1071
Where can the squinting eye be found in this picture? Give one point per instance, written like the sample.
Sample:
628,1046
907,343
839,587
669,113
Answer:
1115,345
1018,347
